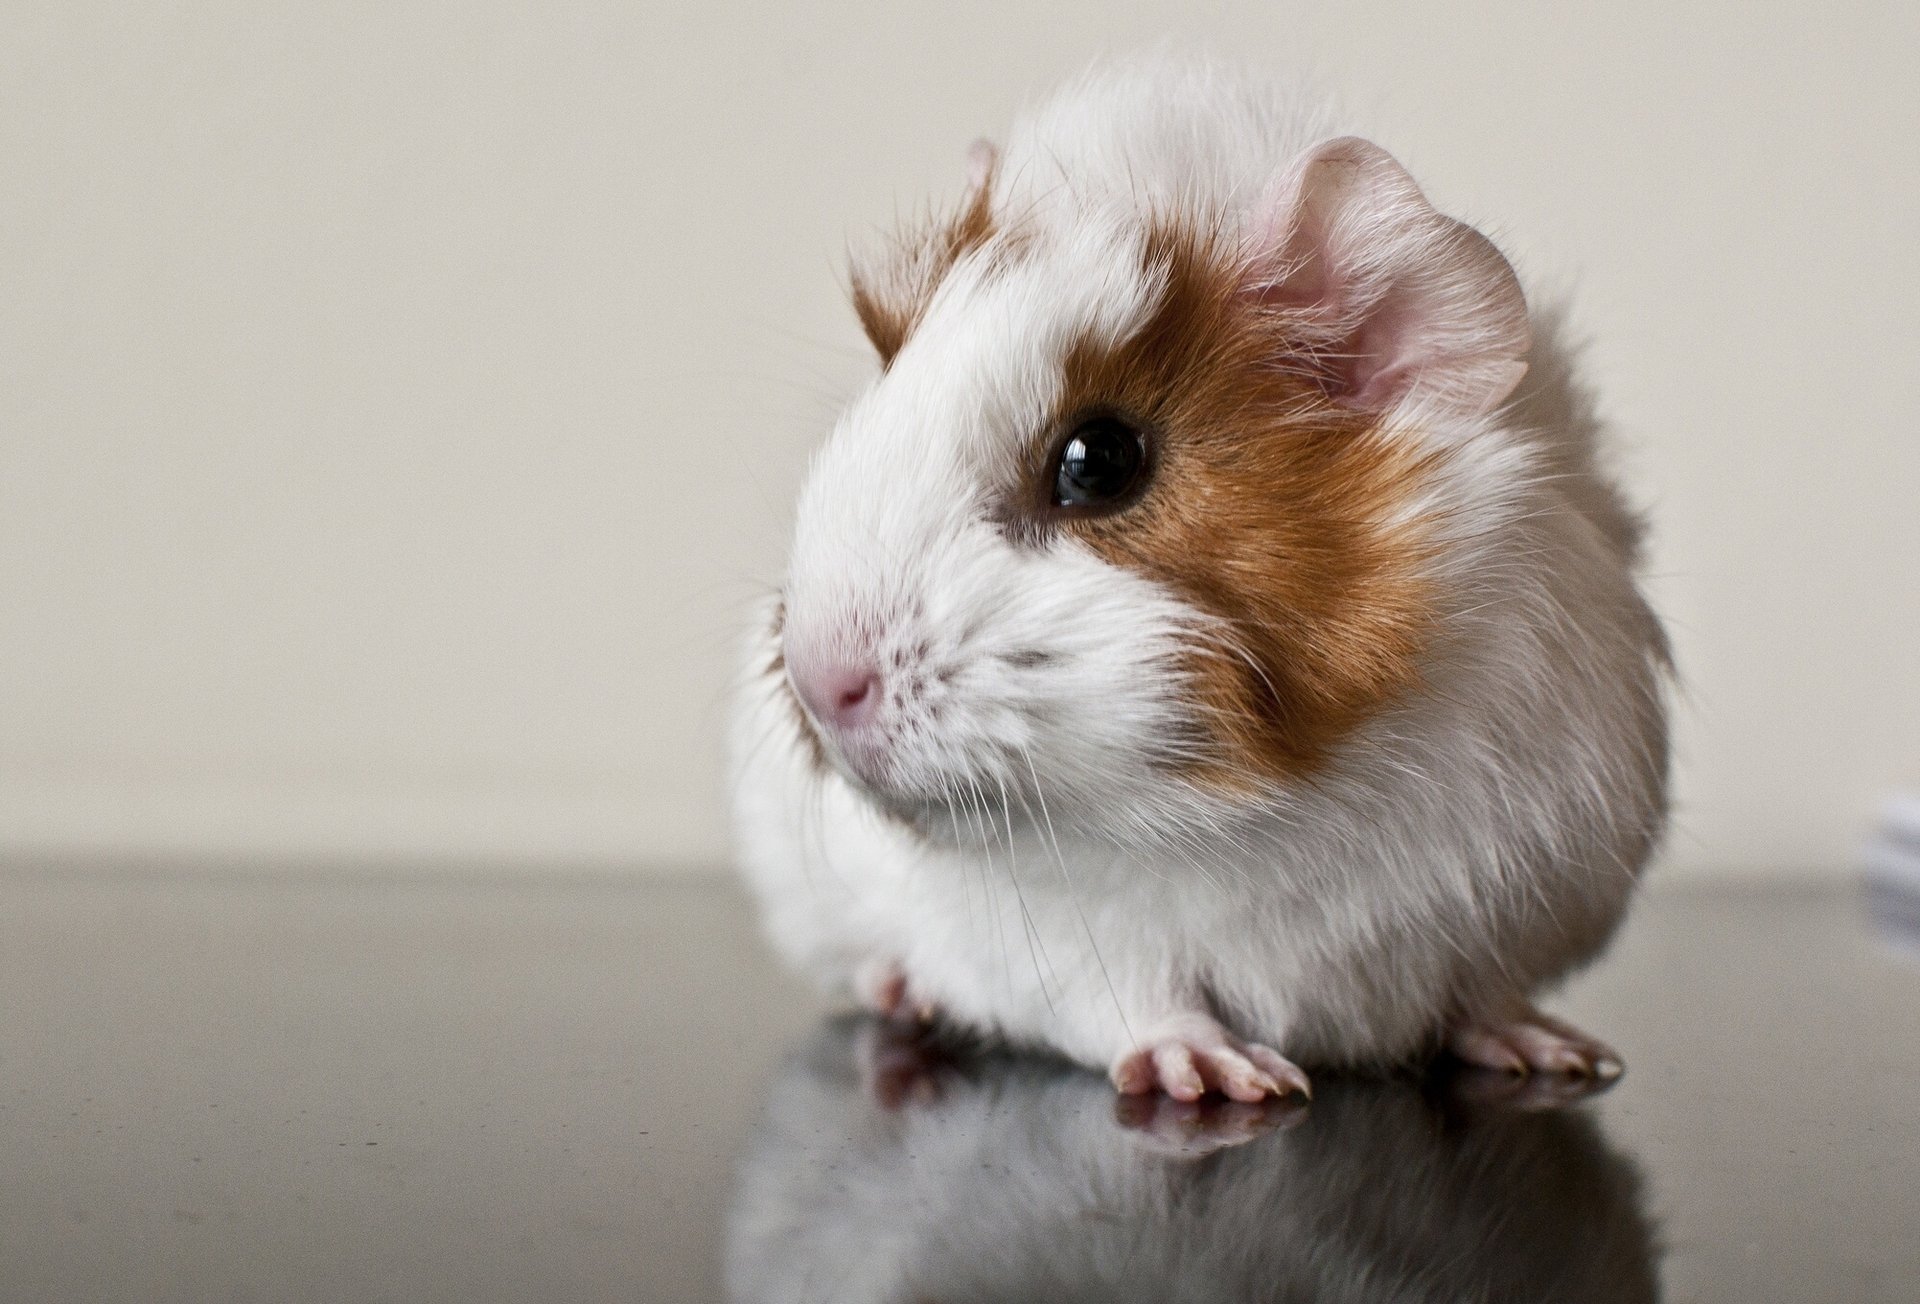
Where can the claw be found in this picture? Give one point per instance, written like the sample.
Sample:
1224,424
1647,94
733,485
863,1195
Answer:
1194,1055
1531,1042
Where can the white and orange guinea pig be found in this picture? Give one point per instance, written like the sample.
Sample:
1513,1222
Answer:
1209,645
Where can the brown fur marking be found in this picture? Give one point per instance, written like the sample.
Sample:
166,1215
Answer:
1269,506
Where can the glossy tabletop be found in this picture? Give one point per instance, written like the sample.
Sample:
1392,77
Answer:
257,1085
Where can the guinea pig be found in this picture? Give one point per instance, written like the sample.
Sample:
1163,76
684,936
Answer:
1210,644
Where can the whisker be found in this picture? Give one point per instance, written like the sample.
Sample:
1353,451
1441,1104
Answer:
1073,895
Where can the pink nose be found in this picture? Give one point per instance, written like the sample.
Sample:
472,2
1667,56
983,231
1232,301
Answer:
844,698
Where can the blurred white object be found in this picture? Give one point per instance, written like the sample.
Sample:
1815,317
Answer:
1891,868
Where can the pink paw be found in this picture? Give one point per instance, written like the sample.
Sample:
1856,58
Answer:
882,986
1532,1042
1189,1057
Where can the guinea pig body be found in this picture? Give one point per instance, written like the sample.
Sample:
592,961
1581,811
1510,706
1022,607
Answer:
1209,646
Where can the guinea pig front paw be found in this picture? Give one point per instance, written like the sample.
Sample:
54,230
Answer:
1526,1041
1189,1056
881,985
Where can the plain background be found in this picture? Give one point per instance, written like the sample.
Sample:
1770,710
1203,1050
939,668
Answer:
399,403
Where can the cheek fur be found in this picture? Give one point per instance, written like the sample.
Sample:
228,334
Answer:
1287,519
774,670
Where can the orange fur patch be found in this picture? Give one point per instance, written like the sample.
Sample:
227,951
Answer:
1268,506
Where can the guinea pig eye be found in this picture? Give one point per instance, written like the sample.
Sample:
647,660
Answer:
1100,463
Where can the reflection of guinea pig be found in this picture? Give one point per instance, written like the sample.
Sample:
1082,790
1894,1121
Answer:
1210,638
1009,1179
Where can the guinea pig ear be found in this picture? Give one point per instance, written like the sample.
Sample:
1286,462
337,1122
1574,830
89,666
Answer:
890,291
1393,301
983,159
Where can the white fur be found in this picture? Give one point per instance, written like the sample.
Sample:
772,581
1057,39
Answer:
1063,887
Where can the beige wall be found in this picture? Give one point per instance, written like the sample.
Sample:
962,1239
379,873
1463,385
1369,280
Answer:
399,404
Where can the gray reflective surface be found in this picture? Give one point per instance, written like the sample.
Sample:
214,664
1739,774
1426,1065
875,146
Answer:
232,1086
882,1173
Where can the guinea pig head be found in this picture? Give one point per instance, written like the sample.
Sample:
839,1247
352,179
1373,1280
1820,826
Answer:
1137,510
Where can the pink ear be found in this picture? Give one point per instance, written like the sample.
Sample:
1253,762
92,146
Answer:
983,156
1394,301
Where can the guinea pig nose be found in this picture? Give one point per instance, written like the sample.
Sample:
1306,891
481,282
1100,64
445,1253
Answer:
844,697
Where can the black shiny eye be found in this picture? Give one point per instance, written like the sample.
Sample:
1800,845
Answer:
1100,463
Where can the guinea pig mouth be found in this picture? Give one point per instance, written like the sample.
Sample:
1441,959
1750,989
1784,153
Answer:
954,813
828,755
